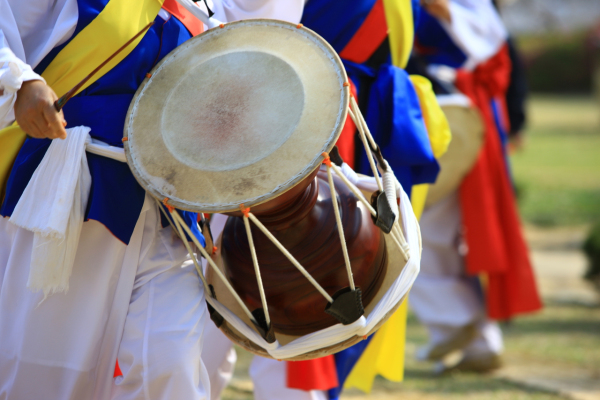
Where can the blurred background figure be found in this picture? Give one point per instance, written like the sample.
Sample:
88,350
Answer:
475,265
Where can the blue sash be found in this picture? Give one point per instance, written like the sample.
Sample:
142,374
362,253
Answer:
116,199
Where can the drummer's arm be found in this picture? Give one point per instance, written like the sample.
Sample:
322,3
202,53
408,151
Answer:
24,95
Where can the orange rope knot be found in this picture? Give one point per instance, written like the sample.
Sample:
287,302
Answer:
222,26
346,84
148,75
326,160
245,210
124,139
169,207
215,248
365,337
299,26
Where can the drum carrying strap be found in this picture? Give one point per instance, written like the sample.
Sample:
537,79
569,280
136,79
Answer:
94,44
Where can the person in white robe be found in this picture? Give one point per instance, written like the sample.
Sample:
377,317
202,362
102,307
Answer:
447,301
139,303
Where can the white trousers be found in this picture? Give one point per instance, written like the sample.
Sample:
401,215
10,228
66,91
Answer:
220,357
141,302
443,297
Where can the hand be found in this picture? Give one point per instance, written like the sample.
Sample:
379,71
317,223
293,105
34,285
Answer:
35,112
440,9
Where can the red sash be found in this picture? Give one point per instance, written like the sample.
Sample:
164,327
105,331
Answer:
490,217
193,24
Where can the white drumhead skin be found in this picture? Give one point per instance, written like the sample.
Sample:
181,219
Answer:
236,115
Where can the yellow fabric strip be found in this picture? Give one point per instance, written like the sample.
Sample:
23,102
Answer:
437,125
385,353
438,130
418,196
11,140
118,22
401,29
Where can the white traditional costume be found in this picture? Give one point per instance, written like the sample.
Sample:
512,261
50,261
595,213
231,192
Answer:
462,239
132,293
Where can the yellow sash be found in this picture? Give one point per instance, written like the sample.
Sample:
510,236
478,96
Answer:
437,129
118,22
385,353
401,30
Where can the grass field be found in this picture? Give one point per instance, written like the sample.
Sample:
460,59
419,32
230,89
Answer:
557,173
563,336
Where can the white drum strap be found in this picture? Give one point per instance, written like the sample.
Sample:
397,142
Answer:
181,224
358,121
389,180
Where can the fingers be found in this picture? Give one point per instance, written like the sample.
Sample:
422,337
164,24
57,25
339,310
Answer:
55,122
35,112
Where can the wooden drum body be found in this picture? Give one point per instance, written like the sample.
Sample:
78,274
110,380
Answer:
240,120
306,226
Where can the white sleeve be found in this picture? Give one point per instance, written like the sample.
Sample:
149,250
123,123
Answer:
13,72
476,28
29,30
286,10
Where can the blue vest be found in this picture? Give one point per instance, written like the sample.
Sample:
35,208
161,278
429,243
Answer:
435,45
116,198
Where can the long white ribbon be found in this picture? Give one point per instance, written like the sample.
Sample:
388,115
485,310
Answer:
53,205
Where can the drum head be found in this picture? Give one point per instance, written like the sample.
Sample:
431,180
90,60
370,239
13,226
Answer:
467,139
236,115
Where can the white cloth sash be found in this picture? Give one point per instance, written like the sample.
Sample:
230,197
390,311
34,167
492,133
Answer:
53,204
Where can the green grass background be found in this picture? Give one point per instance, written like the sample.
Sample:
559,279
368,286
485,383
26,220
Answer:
557,173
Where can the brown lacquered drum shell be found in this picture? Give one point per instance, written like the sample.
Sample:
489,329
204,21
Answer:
306,227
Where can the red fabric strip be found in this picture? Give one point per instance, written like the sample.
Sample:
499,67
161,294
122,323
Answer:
345,143
368,37
317,374
193,24
117,370
490,217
